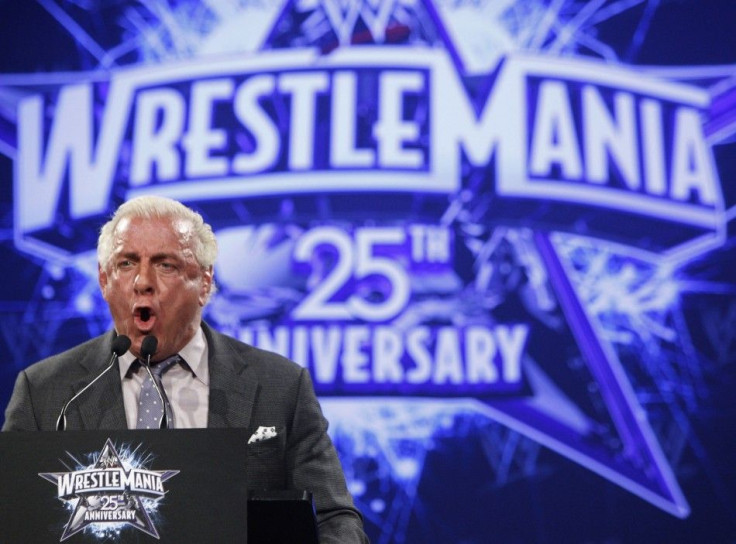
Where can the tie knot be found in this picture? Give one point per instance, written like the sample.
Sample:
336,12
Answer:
159,368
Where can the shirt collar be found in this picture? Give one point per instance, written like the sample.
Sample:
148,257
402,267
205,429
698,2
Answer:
124,362
194,353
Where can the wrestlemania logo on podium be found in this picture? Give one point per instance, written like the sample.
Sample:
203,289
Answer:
112,492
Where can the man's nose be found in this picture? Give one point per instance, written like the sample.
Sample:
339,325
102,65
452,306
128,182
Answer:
144,280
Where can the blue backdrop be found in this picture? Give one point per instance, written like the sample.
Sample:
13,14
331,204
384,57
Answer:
498,233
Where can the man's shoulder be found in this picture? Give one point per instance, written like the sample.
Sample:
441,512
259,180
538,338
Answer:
68,360
246,354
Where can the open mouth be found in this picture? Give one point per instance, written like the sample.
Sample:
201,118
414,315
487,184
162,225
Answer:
144,318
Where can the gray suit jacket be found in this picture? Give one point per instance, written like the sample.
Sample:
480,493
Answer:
248,388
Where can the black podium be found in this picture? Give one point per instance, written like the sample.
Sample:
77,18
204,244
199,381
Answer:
178,486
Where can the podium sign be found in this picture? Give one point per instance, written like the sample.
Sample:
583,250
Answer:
185,485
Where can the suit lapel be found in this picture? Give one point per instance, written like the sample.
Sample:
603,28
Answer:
233,386
101,406
104,407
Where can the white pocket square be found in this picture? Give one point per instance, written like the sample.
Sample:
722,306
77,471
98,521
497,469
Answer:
263,433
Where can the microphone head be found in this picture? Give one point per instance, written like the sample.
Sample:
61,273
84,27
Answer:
120,344
148,347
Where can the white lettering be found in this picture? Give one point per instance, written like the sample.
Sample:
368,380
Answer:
343,147
388,347
159,123
618,122
201,139
480,349
265,133
554,141
392,131
416,347
385,355
511,343
40,176
273,340
653,147
615,135
354,360
448,361
303,89
326,346
692,169
65,484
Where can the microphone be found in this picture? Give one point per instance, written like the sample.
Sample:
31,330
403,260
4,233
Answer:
120,345
148,348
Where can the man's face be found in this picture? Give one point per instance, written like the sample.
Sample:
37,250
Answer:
153,284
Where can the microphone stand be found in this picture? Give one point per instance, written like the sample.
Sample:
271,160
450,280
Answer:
148,348
119,346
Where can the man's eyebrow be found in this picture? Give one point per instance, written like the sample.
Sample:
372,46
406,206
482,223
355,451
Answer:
164,256
132,255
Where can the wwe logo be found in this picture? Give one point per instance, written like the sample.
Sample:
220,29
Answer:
343,16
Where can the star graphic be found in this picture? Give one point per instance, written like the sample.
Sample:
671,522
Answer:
628,452
597,423
125,501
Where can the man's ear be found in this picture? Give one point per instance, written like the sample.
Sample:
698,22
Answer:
102,279
207,279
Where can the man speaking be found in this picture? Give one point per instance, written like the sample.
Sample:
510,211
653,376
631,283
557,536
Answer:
156,265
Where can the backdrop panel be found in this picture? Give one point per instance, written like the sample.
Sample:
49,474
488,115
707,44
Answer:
499,234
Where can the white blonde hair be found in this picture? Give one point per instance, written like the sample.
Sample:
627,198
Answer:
204,244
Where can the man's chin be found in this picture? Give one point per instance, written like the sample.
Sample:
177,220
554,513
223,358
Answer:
137,340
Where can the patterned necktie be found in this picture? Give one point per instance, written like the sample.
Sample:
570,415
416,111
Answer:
150,410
